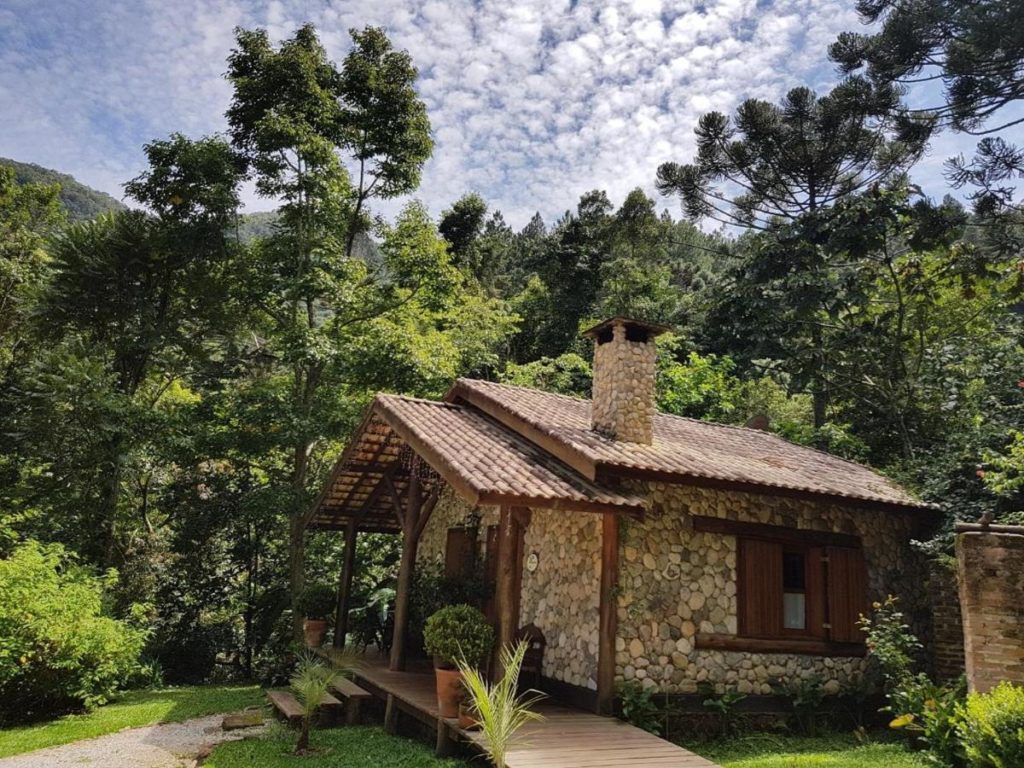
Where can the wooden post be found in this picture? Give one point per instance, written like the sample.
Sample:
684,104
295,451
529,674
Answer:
410,541
608,626
345,585
391,715
504,596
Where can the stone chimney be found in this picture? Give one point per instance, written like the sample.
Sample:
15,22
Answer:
624,375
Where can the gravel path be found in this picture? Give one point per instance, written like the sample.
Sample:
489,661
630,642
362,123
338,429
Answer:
172,745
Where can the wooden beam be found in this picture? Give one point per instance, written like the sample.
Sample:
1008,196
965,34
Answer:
345,584
703,524
504,589
396,501
410,542
608,620
428,507
795,646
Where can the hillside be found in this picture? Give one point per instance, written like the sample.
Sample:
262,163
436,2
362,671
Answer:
82,202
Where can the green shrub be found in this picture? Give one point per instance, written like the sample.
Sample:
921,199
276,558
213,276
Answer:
58,651
991,727
458,633
317,601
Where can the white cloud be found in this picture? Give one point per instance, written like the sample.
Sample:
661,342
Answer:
532,102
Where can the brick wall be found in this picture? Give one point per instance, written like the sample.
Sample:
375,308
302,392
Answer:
945,641
991,575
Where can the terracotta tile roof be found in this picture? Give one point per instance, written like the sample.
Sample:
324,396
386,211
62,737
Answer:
683,448
489,463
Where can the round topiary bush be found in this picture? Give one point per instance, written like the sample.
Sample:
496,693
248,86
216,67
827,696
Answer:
316,602
458,633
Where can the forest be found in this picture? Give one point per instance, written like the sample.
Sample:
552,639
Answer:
176,377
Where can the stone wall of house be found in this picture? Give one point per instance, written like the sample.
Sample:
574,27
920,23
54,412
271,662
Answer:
675,583
451,511
561,596
991,575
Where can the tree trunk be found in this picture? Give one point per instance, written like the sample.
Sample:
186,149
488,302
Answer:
297,537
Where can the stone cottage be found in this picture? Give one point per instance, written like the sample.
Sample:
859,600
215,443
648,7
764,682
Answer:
645,547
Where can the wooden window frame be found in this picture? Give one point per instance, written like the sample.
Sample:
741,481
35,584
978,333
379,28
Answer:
816,547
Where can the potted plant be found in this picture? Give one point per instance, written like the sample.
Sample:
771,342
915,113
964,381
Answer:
457,634
316,602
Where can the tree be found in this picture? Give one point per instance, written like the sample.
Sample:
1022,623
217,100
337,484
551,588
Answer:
384,123
461,226
28,214
786,165
976,51
782,161
139,292
335,326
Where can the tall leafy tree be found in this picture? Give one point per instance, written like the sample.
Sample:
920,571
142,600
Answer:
385,127
976,51
777,162
335,325
782,167
139,292
28,214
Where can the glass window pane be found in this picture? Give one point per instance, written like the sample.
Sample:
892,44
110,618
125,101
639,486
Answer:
794,610
793,572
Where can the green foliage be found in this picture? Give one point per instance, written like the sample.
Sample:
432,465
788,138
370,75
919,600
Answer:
58,648
458,634
831,751
925,710
968,48
806,696
131,709
317,601
80,202
791,159
498,707
310,682
355,747
432,590
567,374
724,705
991,727
639,708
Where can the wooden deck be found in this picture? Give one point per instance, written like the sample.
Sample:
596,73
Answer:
566,738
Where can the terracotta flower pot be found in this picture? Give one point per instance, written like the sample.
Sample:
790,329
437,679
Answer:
315,631
467,721
449,691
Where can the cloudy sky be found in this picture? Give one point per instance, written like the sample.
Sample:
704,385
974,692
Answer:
532,102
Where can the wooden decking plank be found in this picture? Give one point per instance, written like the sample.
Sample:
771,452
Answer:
566,737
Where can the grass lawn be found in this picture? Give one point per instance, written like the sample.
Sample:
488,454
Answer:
832,751
360,747
133,709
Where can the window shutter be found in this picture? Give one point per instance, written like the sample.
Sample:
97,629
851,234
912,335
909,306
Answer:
847,593
458,554
816,592
759,573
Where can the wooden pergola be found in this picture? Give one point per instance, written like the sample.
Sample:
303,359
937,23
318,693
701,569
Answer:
389,478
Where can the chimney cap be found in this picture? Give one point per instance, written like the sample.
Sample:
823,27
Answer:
650,329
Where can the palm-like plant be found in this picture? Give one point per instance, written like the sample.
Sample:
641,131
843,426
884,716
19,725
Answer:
498,707
310,683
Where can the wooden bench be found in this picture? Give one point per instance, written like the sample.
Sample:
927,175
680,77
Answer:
289,708
353,696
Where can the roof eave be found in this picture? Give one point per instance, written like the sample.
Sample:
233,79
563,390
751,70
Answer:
606,472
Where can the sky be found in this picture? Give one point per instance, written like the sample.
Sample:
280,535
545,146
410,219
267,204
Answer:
532,102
